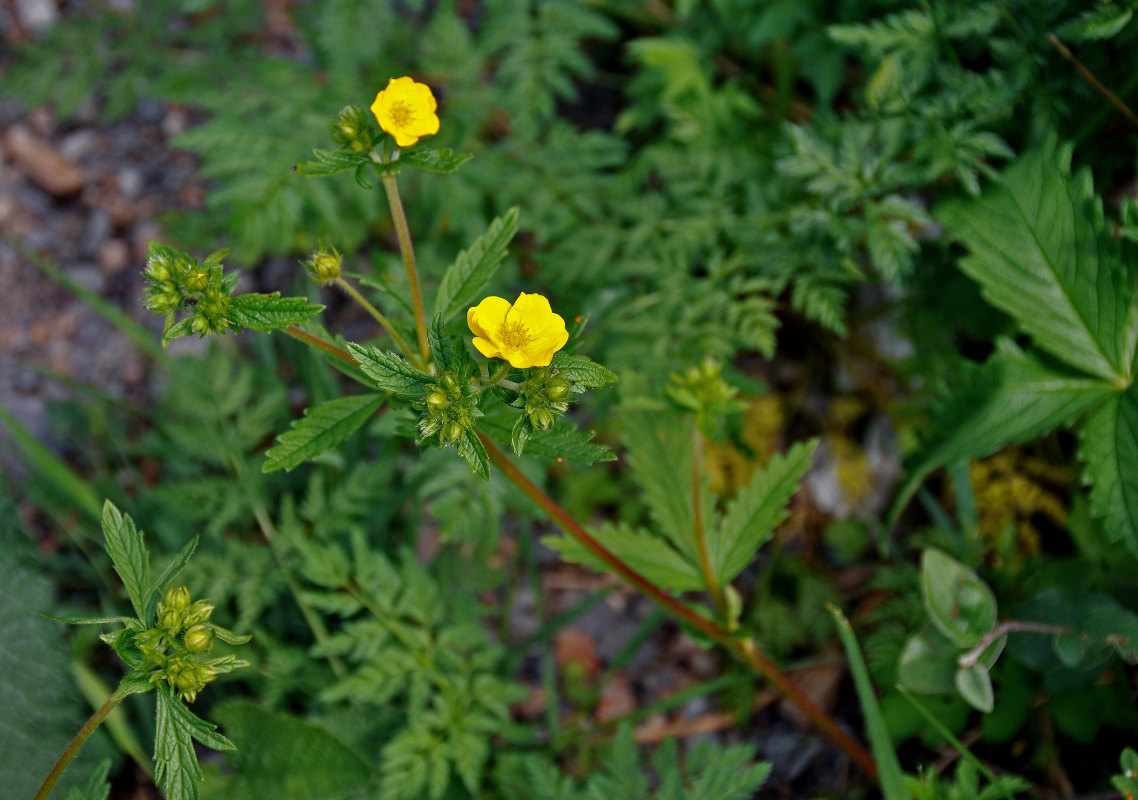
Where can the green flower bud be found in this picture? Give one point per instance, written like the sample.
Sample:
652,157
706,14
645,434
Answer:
450,382
199,639
542,419
437,402
324,265
170,621
197,280
558,389
199,612
177,598
452,432
429,426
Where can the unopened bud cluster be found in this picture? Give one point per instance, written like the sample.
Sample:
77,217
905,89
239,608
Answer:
543,397
702,391
354,130
448,410
182,635
177,282
323,266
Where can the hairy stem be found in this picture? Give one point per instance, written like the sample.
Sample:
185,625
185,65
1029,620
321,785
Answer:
743,649
709,576
73,748
404,234
400,342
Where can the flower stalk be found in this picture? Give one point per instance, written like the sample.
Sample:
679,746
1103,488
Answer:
84,733
709,576
400,342
391,187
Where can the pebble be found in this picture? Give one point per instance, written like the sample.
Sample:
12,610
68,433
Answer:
129,181
97,230
113,257
37,15
76,145
44,164
88,276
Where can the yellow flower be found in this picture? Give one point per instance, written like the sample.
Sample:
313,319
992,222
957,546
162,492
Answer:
526,334
406,110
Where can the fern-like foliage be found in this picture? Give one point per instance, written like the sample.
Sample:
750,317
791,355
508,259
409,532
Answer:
407,647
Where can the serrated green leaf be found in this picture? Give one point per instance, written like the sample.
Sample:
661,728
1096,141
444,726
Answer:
128,555
649,555
758,507
442,160
563,441
474,268
390,372
176,564
284,758
329,162
582,371
449,352
471,448
960,605
1042,253
1109,448
267,312
1012,398
228,636
175,761
172,330
321,428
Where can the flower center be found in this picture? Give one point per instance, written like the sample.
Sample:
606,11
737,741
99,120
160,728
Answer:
514,335
401,114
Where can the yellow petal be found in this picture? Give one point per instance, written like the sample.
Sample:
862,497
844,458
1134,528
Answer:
531,310
487,348
486,318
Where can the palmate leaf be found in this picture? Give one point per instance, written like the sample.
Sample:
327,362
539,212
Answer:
472,271
1012,398
321,428
329,162
756,510
582,371
444,160
267,312
563,441
129,556
1109,447
1042,253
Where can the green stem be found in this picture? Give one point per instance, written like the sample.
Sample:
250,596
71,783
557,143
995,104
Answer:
404,234
709,576
743,649
400,342
73,748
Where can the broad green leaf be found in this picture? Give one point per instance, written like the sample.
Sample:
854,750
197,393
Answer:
960,605
1041,251
40,706
928,663
267,312
129,556
175,566
321,428
1012,398
390,372
649,555
284,758
891,777
471,448
443,160
975,685
563,441
582,371
329,162
758,507
1109,448
175,761
67,620
472,271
